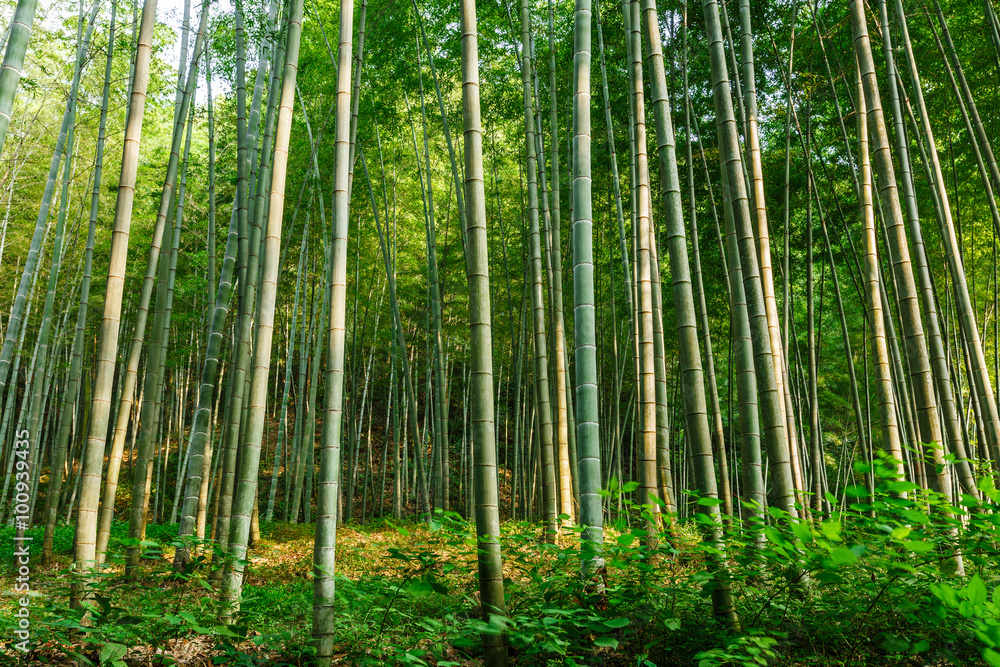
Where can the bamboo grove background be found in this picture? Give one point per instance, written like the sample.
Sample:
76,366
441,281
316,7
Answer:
305,203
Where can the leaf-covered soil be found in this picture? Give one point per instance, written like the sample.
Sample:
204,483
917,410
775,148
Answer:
407,594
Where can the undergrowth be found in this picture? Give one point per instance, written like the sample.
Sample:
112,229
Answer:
896,578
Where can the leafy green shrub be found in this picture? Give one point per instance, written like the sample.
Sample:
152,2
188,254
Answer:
880,582
746,651
62,541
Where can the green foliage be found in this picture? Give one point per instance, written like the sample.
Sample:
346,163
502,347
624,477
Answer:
62,541
62,538
974,611
878,583
875,584
166,606
857,588
746,651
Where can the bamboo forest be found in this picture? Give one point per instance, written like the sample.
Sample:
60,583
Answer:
522,333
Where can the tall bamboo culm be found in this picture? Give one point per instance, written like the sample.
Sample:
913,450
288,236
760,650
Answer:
328,481
85,546
13,63
481,353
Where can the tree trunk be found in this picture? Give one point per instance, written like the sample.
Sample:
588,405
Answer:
86,530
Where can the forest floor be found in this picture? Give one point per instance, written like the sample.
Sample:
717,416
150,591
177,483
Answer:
407,595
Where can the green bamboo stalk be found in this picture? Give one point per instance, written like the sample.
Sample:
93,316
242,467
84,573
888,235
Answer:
20,30
37,388
310,449
982,140
289,356
541,365
584,317
9,409
691,377
921,375
211,241
156,356
481,353
193,508
648,487
739,225
441,407
815,460
615,179
455,171
240,351
953,419
250,219
129,381
246,483
663,465
764,241
566,472
718,432
182,461
887,401
329,475
19,34
986,407
942,373
666,154
70,396
85,552
307,335
560,436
